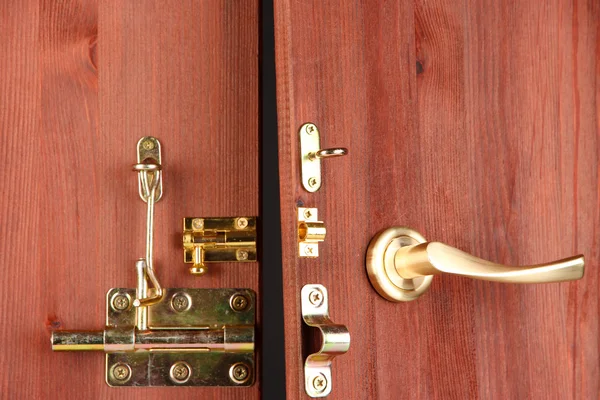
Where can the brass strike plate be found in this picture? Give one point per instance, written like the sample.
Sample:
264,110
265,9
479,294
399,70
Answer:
212,240
221,323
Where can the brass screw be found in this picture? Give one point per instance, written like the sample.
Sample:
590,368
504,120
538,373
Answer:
180,302
319,383
242,255
312,181
310,128
148,144
120,302
180,372
239,302
241,223
239,373
308,250
316,297
198,223
121,372
307,213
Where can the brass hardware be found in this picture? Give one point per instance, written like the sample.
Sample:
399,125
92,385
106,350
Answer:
210,240
335,340
177,336
401,265
239,373
149,159
311,155
204,342
311,231
150,188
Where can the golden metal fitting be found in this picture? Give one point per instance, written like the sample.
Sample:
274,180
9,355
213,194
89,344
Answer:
401,264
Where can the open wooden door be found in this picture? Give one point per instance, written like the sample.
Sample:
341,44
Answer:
475,123
80,83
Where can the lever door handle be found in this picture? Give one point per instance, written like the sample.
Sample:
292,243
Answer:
401,265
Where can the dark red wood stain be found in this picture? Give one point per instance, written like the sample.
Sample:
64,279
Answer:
80,83
476,123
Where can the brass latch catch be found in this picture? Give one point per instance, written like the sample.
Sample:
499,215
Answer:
212,240
311,231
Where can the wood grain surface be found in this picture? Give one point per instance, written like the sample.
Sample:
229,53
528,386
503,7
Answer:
80,83
476,123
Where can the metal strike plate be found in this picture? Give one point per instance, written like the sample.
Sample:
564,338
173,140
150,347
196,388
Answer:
223,318
335,340
311,231
212,240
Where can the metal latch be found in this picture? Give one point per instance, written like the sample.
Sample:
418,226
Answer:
194,337
211,240
311,231
335,340
157,336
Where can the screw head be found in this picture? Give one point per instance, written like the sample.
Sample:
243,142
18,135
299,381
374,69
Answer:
319,383
238,302
181,302
307,213
121,372
198,223
309,250
148,144
312,181
310,128
241,223
239,373
316,297
180,372
120,302
241,255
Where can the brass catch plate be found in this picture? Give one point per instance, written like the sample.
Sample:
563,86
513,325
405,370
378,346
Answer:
212,240
225,358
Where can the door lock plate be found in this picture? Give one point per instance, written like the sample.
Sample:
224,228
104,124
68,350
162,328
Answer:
195,337
212,240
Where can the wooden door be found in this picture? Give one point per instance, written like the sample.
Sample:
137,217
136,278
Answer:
80,82
476,123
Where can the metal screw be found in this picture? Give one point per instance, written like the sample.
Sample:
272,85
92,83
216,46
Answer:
309,250
198,223
120,302
180,302
239,302
316,297
310,128
239,373
121,372
319,383
242,255
180,372
241,223
307,213
148,144
312,181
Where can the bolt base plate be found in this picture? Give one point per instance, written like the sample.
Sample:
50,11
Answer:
207,309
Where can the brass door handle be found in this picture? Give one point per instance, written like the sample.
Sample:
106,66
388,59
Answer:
401,265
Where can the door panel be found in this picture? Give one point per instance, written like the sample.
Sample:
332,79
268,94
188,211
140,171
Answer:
476,124
81,82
